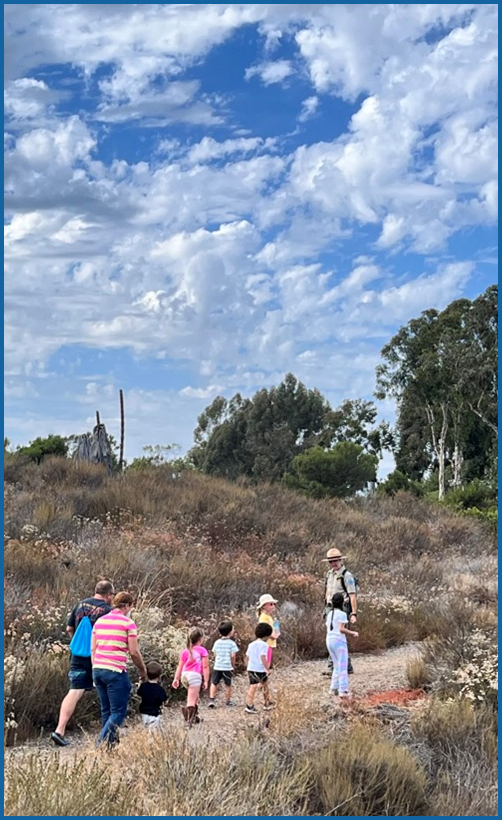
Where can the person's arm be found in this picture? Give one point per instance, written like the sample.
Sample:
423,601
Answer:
164,694
265,662
353,606
205,671
177,675
70,626
137,658
93,646
233,656
344,629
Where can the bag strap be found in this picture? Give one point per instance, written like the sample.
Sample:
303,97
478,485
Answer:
87,615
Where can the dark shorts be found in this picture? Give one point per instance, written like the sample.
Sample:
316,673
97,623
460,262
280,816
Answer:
80,674
257,678
218,675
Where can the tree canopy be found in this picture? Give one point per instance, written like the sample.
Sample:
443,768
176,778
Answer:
260,437
442,370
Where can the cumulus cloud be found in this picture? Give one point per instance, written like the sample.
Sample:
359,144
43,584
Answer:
145,213
271,72
309,107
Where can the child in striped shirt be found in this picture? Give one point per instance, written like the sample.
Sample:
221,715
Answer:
225,651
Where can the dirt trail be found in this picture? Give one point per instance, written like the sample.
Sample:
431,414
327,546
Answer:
304,681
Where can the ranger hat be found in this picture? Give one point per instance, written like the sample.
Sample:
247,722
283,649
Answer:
333,553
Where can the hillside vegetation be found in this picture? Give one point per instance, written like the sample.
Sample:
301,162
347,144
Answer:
196,548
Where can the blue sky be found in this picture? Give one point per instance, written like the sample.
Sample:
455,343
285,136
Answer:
201,198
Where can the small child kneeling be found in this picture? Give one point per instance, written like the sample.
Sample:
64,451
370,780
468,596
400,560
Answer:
153,696
258,667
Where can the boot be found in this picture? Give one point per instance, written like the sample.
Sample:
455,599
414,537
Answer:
196,717
191,714
184,710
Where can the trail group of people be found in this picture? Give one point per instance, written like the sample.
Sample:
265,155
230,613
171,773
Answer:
103,636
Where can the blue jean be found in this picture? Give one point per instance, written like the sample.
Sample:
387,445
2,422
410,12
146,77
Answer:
113,690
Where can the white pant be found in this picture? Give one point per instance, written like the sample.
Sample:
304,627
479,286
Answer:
152,722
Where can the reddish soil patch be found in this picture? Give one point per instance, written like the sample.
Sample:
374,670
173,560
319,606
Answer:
398,697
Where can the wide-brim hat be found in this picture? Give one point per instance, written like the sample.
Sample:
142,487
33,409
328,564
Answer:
333,553
266,599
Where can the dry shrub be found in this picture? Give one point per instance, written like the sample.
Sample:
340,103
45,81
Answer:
303,636
463,752
166,775
364,774
47,787
251,777
385,625
455,727
417,673
38,691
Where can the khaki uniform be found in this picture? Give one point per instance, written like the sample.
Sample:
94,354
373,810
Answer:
334,585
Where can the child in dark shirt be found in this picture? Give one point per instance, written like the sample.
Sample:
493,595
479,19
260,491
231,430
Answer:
152,696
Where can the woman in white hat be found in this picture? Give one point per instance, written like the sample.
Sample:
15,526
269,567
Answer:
266,612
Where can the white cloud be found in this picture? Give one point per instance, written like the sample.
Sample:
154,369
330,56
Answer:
309,107
202,393
271,72
239,254
210,149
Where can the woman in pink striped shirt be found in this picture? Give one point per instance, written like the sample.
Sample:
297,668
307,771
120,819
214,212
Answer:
114,636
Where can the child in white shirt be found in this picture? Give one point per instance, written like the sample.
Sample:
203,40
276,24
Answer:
336,642
258,667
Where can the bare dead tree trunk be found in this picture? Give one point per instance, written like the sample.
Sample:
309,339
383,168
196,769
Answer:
458,461
458,456
98,421
122,428
439,443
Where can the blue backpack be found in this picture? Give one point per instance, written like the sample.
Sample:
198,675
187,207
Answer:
80,645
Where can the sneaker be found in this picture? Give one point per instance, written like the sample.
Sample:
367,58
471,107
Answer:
250,708
211,704
333,692
59,740
270,705
229,703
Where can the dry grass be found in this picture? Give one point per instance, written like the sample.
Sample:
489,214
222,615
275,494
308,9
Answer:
418,674
362,773
165,775
463,757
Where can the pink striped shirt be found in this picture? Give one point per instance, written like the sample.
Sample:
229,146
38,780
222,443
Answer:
112,633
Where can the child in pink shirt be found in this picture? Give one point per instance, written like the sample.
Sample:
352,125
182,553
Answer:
193,673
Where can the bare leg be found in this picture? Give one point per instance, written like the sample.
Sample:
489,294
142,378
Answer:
67,709
228,693
251,694
193,696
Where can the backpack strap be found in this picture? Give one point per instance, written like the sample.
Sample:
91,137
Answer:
93,607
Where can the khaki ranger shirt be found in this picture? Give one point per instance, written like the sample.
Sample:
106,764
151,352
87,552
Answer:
334,585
